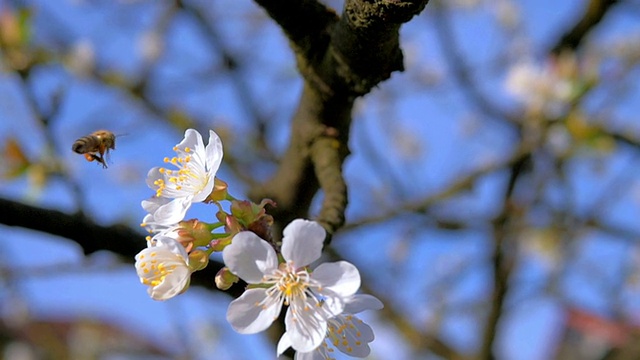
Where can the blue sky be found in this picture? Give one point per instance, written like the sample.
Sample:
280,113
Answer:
408,140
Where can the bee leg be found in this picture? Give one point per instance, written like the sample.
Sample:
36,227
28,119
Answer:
96,157
100,159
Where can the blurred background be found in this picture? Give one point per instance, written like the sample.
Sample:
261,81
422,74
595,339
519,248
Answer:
494,185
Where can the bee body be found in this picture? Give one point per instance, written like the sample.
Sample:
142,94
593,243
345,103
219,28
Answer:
95,146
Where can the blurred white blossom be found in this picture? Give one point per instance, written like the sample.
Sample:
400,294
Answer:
539,87
82,58
150,45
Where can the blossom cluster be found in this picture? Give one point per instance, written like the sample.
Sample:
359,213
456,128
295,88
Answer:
540,87
321,304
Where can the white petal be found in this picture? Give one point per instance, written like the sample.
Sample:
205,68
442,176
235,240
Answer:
193,140
214,152
205,191
164,266
306,328
316,354
361,302
283,344
172,212
302,242
355,339
153,175
250,257
152,204
340,277
172,285
365,331
332,304
313,355
170,190
150,224
247,316
172,245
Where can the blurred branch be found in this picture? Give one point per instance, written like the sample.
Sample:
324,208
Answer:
460,69
502,261
622,138
455,188
594,13
91,237
616,231
44,119
233,65
416,338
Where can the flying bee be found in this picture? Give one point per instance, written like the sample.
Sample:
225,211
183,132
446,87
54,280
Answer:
96,146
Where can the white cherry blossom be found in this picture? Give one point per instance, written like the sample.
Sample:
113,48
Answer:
312,297
160,215
191,181
346,332
164,267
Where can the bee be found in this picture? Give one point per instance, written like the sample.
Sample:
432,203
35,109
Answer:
96,146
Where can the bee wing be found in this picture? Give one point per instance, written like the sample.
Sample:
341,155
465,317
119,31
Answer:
107,157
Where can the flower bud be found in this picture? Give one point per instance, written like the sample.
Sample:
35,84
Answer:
231,225
198,260
218,245
247,212
224,279
194,232
262,227
219,191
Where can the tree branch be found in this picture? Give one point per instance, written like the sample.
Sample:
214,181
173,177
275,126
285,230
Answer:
327,154
502,260
91,237
594,13
460,70
305,22
462,183
339,61
416,338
